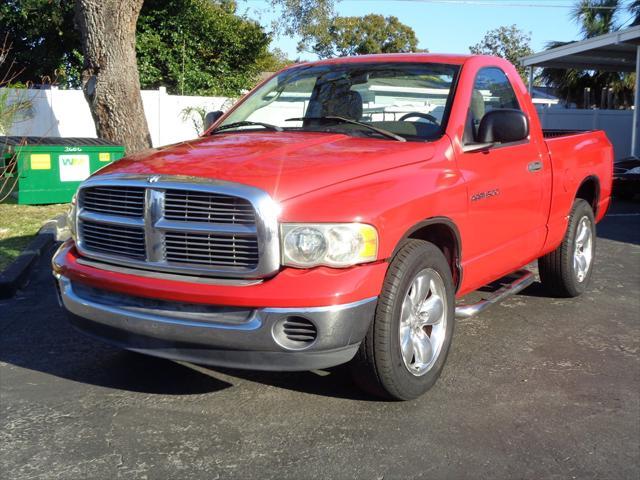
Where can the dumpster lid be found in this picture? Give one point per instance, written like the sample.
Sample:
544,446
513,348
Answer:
64,141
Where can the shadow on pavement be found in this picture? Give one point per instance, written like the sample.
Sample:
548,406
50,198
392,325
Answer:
117,369
335,382
622,222
34,334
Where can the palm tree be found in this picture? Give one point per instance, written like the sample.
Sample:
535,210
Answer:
594,17
634,9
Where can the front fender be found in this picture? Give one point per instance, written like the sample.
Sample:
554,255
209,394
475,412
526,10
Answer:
393,201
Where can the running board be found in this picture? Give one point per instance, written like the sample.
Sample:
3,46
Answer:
523,279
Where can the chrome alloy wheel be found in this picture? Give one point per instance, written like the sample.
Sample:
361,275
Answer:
423,322
583,249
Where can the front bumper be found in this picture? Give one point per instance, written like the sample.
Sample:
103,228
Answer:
238,337
291,287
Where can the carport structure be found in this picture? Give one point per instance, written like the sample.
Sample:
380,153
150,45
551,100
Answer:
614,52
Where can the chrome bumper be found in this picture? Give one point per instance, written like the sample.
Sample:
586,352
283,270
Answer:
217,335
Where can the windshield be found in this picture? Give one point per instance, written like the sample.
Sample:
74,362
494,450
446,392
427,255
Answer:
409,100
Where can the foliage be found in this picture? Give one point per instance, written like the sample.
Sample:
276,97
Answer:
196,115
594,17
571,84
218,51
634,10
198,47
14,106
45,45
273,61
308,19
327,34
364,35
509,42
12,110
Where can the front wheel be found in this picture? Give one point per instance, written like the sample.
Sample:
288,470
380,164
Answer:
566,271
406,346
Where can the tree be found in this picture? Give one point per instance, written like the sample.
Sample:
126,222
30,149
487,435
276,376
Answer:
594,17
305,18
14,105
44,44
110,71
189,46
198,47
364,35
509,42
634,9
107,38
273,61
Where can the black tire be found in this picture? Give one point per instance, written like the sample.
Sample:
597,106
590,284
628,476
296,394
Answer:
378,367
557,272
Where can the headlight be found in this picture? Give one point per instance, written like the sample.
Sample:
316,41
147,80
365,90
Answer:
331,244
71,216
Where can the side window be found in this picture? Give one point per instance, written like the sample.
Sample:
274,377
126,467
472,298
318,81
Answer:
491,90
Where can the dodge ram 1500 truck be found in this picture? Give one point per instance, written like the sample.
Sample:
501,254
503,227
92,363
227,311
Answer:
334,215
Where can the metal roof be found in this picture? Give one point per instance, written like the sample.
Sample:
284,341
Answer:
611,52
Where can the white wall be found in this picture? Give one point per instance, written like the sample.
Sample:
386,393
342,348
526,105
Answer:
617,124
65,113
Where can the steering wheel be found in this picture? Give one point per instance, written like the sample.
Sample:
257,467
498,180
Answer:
426,116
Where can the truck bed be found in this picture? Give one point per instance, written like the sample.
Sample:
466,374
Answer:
551,133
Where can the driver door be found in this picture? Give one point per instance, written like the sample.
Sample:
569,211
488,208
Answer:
506,216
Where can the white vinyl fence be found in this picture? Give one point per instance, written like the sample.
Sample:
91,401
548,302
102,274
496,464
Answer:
617,124
65,113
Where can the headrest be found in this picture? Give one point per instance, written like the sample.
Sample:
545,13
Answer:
348,105
477,105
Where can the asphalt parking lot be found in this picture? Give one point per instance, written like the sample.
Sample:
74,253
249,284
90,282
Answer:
536,387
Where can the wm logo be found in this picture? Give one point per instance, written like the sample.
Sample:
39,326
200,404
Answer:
72,161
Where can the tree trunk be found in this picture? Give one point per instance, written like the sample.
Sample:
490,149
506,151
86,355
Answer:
110,79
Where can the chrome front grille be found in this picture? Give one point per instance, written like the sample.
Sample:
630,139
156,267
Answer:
126,201
207,249
113,239
193,206
178,224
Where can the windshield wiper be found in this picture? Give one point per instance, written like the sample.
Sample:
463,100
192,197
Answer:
247,123
336,118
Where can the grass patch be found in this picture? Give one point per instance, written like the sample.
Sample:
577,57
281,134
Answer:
19,224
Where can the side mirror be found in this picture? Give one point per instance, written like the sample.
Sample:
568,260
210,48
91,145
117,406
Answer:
211,118
503,126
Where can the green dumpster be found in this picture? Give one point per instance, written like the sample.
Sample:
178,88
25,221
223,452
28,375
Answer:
49,169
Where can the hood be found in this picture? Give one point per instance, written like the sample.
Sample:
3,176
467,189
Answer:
284,164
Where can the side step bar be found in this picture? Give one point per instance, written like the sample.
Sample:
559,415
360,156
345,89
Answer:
523,278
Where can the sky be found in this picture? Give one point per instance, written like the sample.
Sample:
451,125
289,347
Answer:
447,26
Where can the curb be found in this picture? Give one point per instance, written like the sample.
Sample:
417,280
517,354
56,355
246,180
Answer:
16,275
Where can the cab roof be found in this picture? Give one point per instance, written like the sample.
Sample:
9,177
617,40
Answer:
451,59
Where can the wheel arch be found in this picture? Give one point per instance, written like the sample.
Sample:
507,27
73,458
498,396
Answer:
589,190
444,234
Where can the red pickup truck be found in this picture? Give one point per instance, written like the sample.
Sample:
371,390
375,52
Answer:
335,215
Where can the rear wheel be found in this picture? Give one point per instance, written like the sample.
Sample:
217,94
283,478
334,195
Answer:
566,271
406,346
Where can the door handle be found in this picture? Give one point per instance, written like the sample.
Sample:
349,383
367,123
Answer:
534,166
